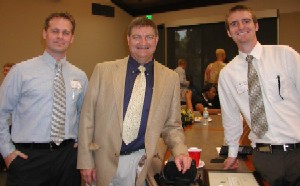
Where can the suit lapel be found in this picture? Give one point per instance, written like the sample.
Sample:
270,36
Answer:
119,86
158,87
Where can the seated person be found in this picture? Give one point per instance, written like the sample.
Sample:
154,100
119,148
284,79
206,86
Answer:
208,98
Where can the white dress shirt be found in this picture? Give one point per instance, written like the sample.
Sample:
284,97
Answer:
275,64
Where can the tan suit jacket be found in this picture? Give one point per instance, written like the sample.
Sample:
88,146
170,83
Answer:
100,128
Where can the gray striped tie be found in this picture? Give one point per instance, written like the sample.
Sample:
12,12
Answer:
259,125
59,107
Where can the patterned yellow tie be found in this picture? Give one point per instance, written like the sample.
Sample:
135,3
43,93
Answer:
259,125
59,107
132,119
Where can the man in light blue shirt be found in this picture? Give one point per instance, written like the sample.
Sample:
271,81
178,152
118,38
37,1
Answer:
6,69
27,92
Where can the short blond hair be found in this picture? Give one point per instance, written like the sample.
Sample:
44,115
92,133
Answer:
220,51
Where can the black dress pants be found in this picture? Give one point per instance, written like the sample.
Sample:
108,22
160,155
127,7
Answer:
279,168
45,167
2,164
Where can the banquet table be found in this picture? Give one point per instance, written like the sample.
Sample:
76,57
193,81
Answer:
208,138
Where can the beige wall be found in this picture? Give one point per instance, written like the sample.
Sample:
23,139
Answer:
100,38
289,29
97,38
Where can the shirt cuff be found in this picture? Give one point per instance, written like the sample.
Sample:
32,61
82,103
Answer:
8,149
233,151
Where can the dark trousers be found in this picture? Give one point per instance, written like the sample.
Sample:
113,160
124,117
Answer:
45,168
2,164
279,168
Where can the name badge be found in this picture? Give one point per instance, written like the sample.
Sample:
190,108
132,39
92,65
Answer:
242,87
75,85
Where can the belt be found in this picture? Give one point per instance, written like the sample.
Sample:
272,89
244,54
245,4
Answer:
263,147
51,145
128,152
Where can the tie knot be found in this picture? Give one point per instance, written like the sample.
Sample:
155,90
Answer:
249,58
58,66
142,69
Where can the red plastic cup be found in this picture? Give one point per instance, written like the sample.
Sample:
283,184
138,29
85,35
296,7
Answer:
195,154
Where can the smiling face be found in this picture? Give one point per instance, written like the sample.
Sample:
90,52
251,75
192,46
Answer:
242,29
58,37
142,43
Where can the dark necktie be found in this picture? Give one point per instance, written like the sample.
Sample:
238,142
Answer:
259,125
59,107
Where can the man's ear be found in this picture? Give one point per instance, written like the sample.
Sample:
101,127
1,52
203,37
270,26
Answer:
72,39
228,33
44,34
128,38
256,26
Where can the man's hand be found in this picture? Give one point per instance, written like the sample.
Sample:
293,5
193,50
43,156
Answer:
75,145
88,175
231,163
183,162
13,155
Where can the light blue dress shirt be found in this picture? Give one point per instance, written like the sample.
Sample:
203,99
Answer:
27,93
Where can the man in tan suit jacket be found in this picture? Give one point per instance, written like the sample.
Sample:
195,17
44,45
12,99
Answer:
100,150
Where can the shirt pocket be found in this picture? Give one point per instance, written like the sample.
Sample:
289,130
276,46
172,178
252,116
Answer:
276,89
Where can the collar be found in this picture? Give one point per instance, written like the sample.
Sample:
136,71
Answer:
51,61
134,65
256,52
204,97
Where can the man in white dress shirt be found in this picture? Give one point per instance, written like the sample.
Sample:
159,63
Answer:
276,154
